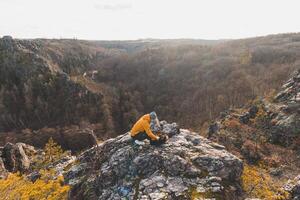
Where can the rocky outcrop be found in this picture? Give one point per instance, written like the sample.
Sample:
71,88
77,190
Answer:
245,117
15,158
279,118
284,112
290,92
186,165
293,188
266,132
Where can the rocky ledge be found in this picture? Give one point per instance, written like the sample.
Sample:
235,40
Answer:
188,166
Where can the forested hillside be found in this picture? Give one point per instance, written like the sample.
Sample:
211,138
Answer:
193,83
108,85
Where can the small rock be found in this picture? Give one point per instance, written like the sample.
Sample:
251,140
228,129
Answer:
212,129
276,171
245,118
157,195
34,176
253,111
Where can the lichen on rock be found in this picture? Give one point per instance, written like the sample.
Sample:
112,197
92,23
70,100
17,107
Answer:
118,169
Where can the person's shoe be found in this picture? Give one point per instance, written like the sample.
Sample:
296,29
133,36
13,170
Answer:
140,143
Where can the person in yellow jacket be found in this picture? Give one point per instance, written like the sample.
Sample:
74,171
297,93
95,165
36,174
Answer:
141,129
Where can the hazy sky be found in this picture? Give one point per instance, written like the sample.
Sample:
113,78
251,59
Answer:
134,19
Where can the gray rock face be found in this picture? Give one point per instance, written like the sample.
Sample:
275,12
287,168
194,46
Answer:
290,90
169,129
284,112
293,187
60,165
15,158
117,169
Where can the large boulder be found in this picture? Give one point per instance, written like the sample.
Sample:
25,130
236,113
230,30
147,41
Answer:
15,158
186,165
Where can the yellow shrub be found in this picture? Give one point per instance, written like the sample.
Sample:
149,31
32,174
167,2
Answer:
19,187
258,184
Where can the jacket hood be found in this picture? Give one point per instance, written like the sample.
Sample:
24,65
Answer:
146,117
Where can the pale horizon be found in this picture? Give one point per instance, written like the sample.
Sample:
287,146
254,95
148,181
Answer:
141,19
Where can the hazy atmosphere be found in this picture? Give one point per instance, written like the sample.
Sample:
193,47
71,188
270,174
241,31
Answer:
149,100
135,19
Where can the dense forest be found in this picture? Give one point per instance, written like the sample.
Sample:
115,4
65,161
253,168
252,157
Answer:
50,83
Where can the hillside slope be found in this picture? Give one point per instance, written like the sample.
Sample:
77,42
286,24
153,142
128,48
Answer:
266,135
107,85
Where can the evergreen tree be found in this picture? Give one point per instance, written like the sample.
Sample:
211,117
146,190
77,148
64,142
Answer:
53,151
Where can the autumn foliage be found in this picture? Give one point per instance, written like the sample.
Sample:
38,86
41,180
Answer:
232,124
188,82
49,186
258,184
17,186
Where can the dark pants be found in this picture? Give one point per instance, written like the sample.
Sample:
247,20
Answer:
141,136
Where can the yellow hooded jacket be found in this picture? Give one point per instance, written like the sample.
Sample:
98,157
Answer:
143,124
